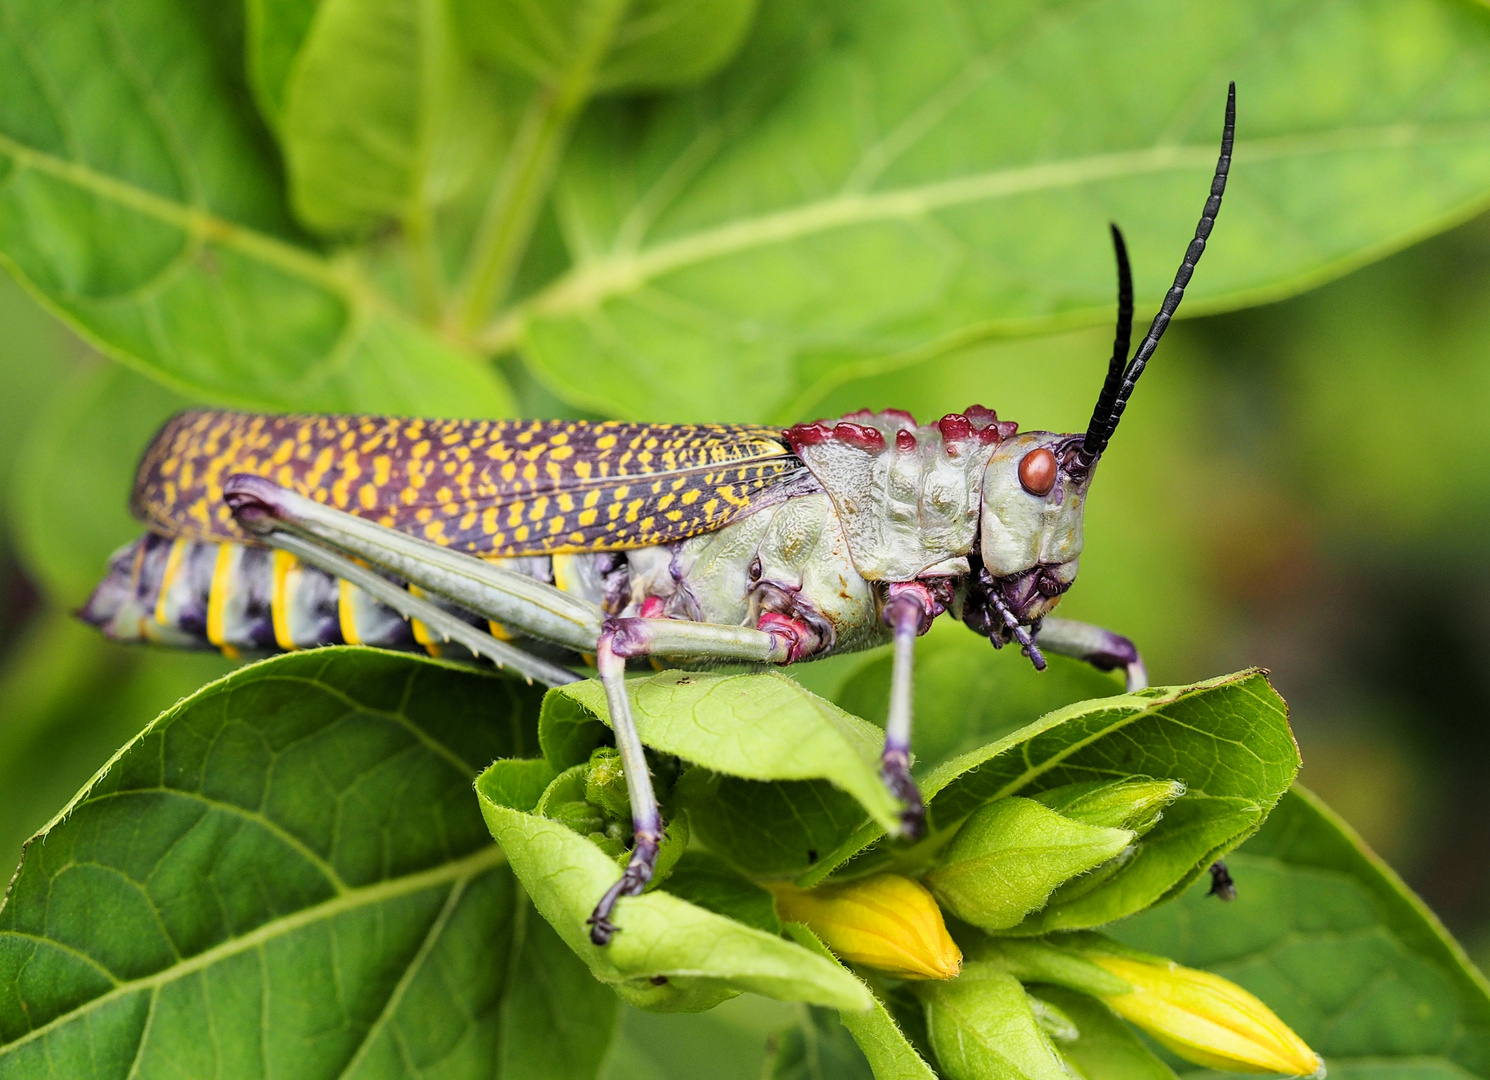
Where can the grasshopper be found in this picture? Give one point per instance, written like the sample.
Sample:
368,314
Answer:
528,542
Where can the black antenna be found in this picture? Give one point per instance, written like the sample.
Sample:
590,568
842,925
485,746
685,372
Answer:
1091,445
1181,279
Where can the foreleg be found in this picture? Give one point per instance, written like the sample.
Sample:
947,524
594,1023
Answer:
908,611
1101,648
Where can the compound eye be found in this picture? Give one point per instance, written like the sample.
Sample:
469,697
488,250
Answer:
1037,471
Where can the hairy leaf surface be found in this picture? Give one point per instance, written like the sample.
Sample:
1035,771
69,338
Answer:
1338,946
893,179
292,862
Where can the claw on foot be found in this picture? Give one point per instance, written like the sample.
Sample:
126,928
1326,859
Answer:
633,881
895,768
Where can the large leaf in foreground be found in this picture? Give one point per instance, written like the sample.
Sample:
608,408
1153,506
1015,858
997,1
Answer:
141,199
292,860
1334,942
1227,739
894,178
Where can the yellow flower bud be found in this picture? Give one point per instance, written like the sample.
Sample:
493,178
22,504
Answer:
887,922
1204,1018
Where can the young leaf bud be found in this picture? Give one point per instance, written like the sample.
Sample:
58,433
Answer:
886,922
1011,855
605,783
1204,1018
1136,803
982,1028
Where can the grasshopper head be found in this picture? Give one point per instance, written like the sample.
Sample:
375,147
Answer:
1034,489
1034,493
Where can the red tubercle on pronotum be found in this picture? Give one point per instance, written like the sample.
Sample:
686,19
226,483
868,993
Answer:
900,416
811,434
865,438
859,436
905,441
955,427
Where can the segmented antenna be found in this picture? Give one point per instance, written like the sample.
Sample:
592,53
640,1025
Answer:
1121,340
1177,290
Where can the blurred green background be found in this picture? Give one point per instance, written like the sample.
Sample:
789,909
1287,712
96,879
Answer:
1301,486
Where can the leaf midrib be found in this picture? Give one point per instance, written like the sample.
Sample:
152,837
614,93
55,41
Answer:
197,222
459,871
592,282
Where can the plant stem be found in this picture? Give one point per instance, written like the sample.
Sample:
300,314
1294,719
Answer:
528,173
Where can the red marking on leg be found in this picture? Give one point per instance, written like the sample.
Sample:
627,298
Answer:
802,641
653,607
921,601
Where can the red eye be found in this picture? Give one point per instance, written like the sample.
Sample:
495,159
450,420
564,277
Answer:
1037,471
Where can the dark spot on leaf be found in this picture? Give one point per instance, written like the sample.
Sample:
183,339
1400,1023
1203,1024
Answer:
658,980
812,855
684,680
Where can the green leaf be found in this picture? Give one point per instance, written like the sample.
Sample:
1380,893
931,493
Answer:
818,1047
758,726
884,1046
1105,1048
518,782
1337,945
965,697
707,881
276,30
668,954
70,698
657,44
1011,855
1226,739
1135,803
291,860
894,179
983,1029
383,116
141,201
771,829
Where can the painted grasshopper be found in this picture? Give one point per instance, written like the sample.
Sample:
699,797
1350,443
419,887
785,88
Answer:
528,542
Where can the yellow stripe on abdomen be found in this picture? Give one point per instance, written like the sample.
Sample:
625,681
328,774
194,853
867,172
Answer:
346,611
421,632
167,576
279,599
217,598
